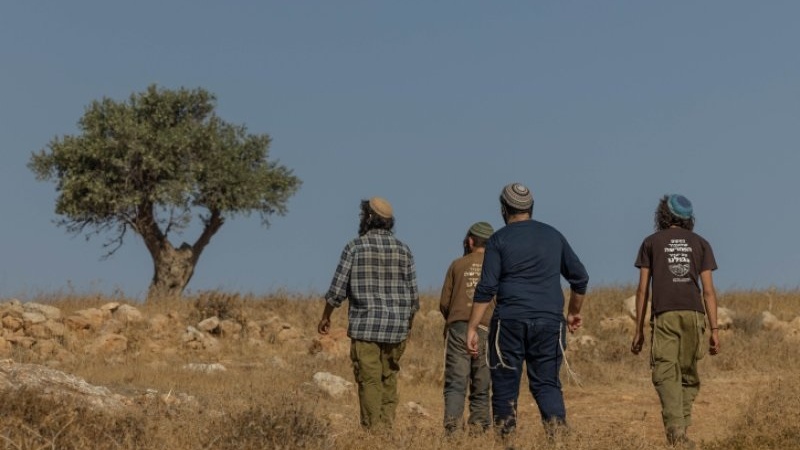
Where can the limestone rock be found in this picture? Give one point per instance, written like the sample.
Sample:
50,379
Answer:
725,318
619,323
230,328
197,340
127,314
108,344
87,319
58,384
209,325
629,306
417,409
334,385
32,318
205,368
12,323
50,312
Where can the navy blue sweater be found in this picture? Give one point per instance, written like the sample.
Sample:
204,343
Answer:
523,265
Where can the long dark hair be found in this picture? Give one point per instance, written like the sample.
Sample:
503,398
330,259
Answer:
665,219
372,221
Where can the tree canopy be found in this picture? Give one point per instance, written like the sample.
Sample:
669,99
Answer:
149,164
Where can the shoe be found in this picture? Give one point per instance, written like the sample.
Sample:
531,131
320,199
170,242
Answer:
676,438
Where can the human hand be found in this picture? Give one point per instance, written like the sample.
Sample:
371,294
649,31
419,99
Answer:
574,321
472,342
324,326
713,342
638,342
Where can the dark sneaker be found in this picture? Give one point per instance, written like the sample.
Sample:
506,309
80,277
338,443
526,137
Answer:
676,438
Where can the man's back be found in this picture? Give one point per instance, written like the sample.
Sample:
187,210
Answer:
377,275
523,266
459,288
676,257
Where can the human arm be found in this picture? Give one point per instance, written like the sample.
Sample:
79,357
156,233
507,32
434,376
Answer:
484,294
642,293
574,272
478,310
337,292
324,326
411,273
447,293
710,299
574,319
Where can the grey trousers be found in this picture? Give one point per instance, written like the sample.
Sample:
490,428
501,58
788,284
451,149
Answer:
464,375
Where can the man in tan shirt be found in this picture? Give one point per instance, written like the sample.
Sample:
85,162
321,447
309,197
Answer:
463,372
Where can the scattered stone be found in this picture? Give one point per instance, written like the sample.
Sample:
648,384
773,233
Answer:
110,307
629,306
197,340
619,323
14,376
108,344
31,318
288,333
209,325
770,322
87,319
205,368
230,328
334,385
12,323
127,314
417,409
50,312
725,318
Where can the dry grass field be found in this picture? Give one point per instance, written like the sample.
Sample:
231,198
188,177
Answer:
266,397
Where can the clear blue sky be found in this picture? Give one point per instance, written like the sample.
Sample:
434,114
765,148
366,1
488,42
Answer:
599,107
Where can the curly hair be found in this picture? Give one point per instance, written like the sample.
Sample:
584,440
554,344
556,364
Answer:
371,221
665,219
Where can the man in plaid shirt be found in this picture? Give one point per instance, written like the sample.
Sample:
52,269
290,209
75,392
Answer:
376,273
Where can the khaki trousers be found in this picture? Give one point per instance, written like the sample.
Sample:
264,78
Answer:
677,346
375,366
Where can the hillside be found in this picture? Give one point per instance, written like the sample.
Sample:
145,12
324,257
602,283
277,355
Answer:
221,370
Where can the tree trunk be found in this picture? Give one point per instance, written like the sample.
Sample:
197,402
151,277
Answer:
172,270
172,267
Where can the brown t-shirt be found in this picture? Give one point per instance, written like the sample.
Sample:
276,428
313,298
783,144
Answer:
676,257
459,287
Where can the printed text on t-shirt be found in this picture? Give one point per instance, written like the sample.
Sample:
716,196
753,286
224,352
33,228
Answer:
677,252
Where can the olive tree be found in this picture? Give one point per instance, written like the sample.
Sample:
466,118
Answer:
151,165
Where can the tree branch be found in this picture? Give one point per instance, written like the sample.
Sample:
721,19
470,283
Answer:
212,224
145,224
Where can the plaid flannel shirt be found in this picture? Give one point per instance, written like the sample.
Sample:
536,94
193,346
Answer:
376,273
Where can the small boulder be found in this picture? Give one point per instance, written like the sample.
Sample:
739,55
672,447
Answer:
50,312
334,385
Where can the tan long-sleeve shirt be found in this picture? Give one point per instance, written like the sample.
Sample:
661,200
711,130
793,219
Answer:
459,286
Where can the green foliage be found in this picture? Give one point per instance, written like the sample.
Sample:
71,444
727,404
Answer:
160,156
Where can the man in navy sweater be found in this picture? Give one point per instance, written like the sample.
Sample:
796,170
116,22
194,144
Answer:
522,269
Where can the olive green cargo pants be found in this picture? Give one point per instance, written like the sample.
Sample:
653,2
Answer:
375,366
677,346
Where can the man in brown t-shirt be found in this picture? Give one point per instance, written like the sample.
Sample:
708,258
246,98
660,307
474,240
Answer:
677,263
461,371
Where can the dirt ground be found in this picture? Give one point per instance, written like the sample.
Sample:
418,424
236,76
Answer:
634,408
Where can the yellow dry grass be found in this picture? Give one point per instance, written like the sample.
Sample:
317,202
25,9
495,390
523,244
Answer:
750,397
